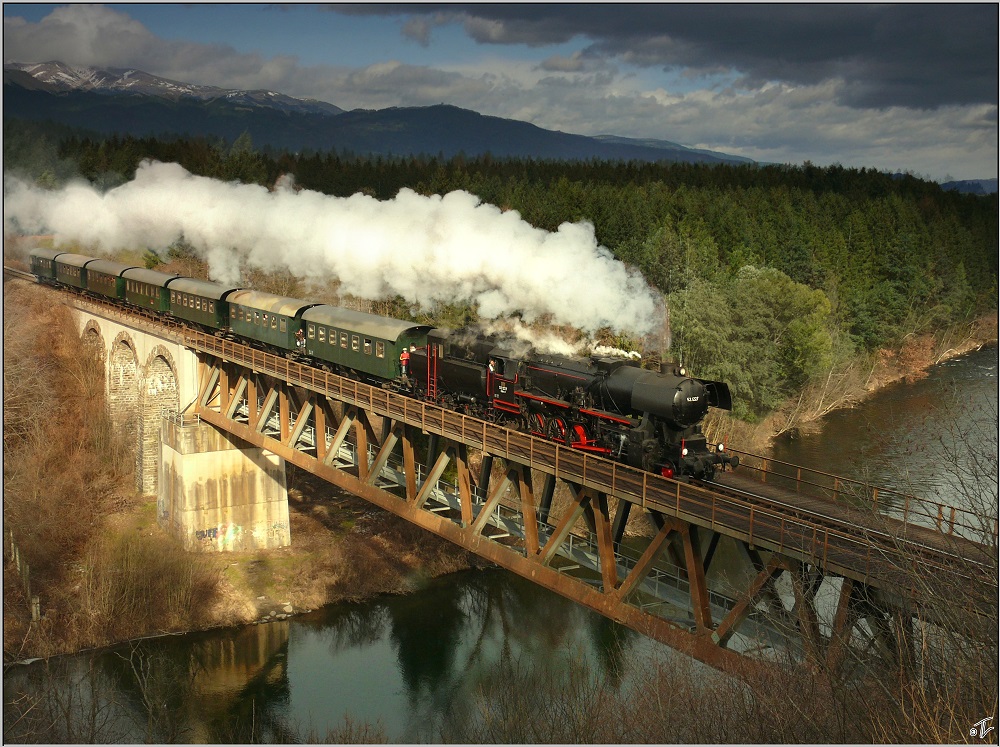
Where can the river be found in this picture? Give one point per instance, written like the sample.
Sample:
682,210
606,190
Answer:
935,438
411,668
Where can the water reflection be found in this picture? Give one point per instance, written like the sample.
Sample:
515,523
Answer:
403,663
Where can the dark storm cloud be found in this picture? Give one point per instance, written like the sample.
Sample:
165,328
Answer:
915,55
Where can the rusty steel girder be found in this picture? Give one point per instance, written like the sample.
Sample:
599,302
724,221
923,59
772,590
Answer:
366,441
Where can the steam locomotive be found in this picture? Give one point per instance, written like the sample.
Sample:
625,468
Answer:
601,405
605,406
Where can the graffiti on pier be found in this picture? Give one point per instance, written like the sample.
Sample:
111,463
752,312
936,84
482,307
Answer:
222,537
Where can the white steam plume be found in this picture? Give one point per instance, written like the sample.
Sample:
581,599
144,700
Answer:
426,249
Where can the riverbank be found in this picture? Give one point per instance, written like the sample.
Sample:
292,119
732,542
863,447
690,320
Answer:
851,384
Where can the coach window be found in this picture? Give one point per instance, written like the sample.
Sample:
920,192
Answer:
172,294
368,347
311,331
197,304
211,307
355,343
380,350
274,322
322,334
256,318
282,325
343,340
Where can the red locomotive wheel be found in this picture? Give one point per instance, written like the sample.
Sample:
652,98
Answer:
556,429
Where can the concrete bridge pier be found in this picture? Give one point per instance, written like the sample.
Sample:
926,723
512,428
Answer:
217,493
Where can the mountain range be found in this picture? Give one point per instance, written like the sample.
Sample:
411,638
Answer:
133,102
128,101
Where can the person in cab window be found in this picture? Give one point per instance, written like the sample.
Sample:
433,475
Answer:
404,360
300,339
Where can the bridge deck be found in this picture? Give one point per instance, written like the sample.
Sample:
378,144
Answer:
816,532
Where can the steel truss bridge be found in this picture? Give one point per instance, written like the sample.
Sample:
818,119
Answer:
815,576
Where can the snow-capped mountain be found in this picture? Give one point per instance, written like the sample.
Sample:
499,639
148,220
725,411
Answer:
57,76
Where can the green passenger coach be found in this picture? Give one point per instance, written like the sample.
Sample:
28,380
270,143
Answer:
148,288
364,342
42,263
265,317
71,269
104,276
201,302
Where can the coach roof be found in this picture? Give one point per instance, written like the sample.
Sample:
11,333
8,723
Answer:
372,325
73,260
153,277
269,302
45,253
203,288
108,267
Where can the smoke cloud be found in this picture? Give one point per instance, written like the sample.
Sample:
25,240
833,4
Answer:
450,248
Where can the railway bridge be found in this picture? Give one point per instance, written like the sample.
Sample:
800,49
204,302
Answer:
727,570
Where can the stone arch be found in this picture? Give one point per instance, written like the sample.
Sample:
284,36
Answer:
93,339
123,386
159,394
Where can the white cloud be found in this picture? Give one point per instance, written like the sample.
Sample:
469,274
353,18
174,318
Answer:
579,94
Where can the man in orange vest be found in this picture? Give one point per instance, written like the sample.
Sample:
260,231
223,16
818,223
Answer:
404,360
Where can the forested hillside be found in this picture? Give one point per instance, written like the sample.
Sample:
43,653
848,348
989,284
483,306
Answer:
774,276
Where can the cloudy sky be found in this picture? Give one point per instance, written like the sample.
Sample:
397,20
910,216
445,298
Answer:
897,87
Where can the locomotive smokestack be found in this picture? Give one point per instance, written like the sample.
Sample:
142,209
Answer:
669,368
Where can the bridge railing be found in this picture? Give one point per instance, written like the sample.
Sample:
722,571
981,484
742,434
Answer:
182,419
946,518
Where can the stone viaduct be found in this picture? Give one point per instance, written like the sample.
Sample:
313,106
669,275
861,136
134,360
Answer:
212,492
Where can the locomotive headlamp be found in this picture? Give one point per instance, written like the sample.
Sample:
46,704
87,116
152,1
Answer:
721,448
683,371
684,452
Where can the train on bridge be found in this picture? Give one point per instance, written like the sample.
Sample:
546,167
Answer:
602,405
